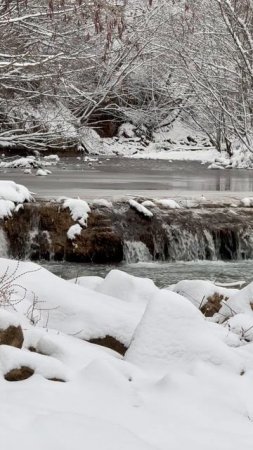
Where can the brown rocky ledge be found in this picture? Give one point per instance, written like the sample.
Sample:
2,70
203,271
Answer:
39,231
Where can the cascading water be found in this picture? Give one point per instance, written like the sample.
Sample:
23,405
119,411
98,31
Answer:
113,234
4,246
136,252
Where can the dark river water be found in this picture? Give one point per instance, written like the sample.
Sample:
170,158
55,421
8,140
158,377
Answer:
124,176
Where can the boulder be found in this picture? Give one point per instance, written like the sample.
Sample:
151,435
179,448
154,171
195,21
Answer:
13,335
19,374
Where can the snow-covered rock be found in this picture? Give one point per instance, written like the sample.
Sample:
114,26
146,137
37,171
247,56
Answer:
200,291
127,287
73,231
79,209
11,196
43,172
247,201
168,203
173,335
69,307
140,208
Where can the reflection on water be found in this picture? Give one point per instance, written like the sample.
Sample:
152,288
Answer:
105,177
163,274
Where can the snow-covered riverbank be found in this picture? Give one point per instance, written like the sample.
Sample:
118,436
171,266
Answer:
184,382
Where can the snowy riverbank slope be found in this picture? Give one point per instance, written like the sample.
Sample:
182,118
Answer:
185,381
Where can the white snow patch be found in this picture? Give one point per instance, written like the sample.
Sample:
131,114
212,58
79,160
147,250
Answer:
247,201
168,203
79,210
101,202
73,231
170,337
140,208
43,172
198,291
8,319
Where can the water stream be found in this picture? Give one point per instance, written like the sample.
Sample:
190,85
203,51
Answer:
163,274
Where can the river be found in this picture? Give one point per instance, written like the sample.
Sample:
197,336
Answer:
116,177
163,274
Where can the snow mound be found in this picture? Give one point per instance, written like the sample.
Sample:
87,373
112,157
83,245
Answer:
16,193
54,158
127,287
247,201
168,203
89,282
140,208
79,210
43,172
198,291
8,319
11,196
173,335
30,162
239,303
242,325
68,307
102,202
74,231
13,358
148,204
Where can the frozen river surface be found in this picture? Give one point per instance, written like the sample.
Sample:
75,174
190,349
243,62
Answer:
117,177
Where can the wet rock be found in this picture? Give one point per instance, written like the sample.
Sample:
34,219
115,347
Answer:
19,374
39,231
13,335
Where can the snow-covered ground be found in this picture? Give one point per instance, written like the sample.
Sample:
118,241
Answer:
180,143
184,383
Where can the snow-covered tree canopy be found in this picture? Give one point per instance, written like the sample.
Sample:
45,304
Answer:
66,65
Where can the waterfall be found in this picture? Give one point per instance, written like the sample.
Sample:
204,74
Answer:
121,233
4,247
136,251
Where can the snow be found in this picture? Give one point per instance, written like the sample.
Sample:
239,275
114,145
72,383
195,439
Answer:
170,337
140,208
168,203
79,210
12,195
185,382
198,291
54,158
247,201
73,231
101,202
69,307
30,162
43,172
17,193
12,358
8,319
90,282
127,130
127,287
242,325
6,208
240,302
148,204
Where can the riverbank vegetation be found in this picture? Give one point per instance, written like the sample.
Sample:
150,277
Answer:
69,68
